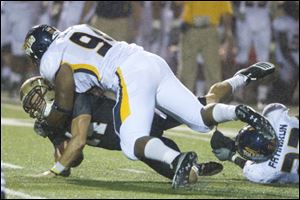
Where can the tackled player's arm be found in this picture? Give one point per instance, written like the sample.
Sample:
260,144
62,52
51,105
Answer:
79,129
220,91
224,149
64,96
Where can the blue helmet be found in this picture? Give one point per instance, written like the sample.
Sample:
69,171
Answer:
37,41
254,146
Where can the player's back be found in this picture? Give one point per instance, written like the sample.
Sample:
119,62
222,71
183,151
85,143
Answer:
283,167
92,55
286,158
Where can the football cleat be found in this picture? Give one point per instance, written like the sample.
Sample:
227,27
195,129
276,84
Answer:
257,71
208,169
254,119
184,163
193,176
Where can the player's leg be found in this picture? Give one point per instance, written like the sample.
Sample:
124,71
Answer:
244,42
133,116
262,41
186,108
200,169
177,101
160,167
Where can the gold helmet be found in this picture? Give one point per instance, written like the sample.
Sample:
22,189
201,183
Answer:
37,96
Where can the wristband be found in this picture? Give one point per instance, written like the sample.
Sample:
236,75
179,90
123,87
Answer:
58,168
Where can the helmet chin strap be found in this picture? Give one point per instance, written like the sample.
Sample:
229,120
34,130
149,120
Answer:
48,109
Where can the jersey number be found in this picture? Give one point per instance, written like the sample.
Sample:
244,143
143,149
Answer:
99,128
290,157
92,42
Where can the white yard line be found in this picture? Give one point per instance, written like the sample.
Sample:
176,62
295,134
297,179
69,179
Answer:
133,170
10,166
21,194
16,122
16,193
187,136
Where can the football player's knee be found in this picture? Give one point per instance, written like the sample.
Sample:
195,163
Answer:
127,146
200,128
197,124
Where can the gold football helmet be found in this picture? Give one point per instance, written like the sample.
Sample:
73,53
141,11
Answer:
37,96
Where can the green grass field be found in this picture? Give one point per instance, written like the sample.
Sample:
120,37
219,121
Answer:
108,174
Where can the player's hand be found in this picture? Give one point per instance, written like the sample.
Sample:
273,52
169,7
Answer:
219,140
50,174
46,174
223,154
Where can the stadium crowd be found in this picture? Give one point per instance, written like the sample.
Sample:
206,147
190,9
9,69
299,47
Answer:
203,42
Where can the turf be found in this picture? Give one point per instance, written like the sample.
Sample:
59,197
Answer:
108,174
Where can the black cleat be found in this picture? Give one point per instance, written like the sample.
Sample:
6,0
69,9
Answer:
208,169
183,168
257,71
254,119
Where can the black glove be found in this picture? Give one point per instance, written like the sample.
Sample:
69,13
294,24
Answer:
218,140
223,147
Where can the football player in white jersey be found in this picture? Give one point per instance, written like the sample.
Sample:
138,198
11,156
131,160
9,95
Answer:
286,33
253,28
82,57
281,166
253,16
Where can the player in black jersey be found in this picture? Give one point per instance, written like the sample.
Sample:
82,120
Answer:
101,133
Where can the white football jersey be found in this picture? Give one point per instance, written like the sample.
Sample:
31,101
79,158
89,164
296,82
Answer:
290,26
93,56
283,167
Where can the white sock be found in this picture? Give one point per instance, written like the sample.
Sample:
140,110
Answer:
237,82
224,113
155,149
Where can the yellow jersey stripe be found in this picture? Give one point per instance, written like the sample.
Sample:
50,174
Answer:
125,108
85,67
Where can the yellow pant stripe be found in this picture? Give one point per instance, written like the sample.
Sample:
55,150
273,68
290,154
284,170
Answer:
125,108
